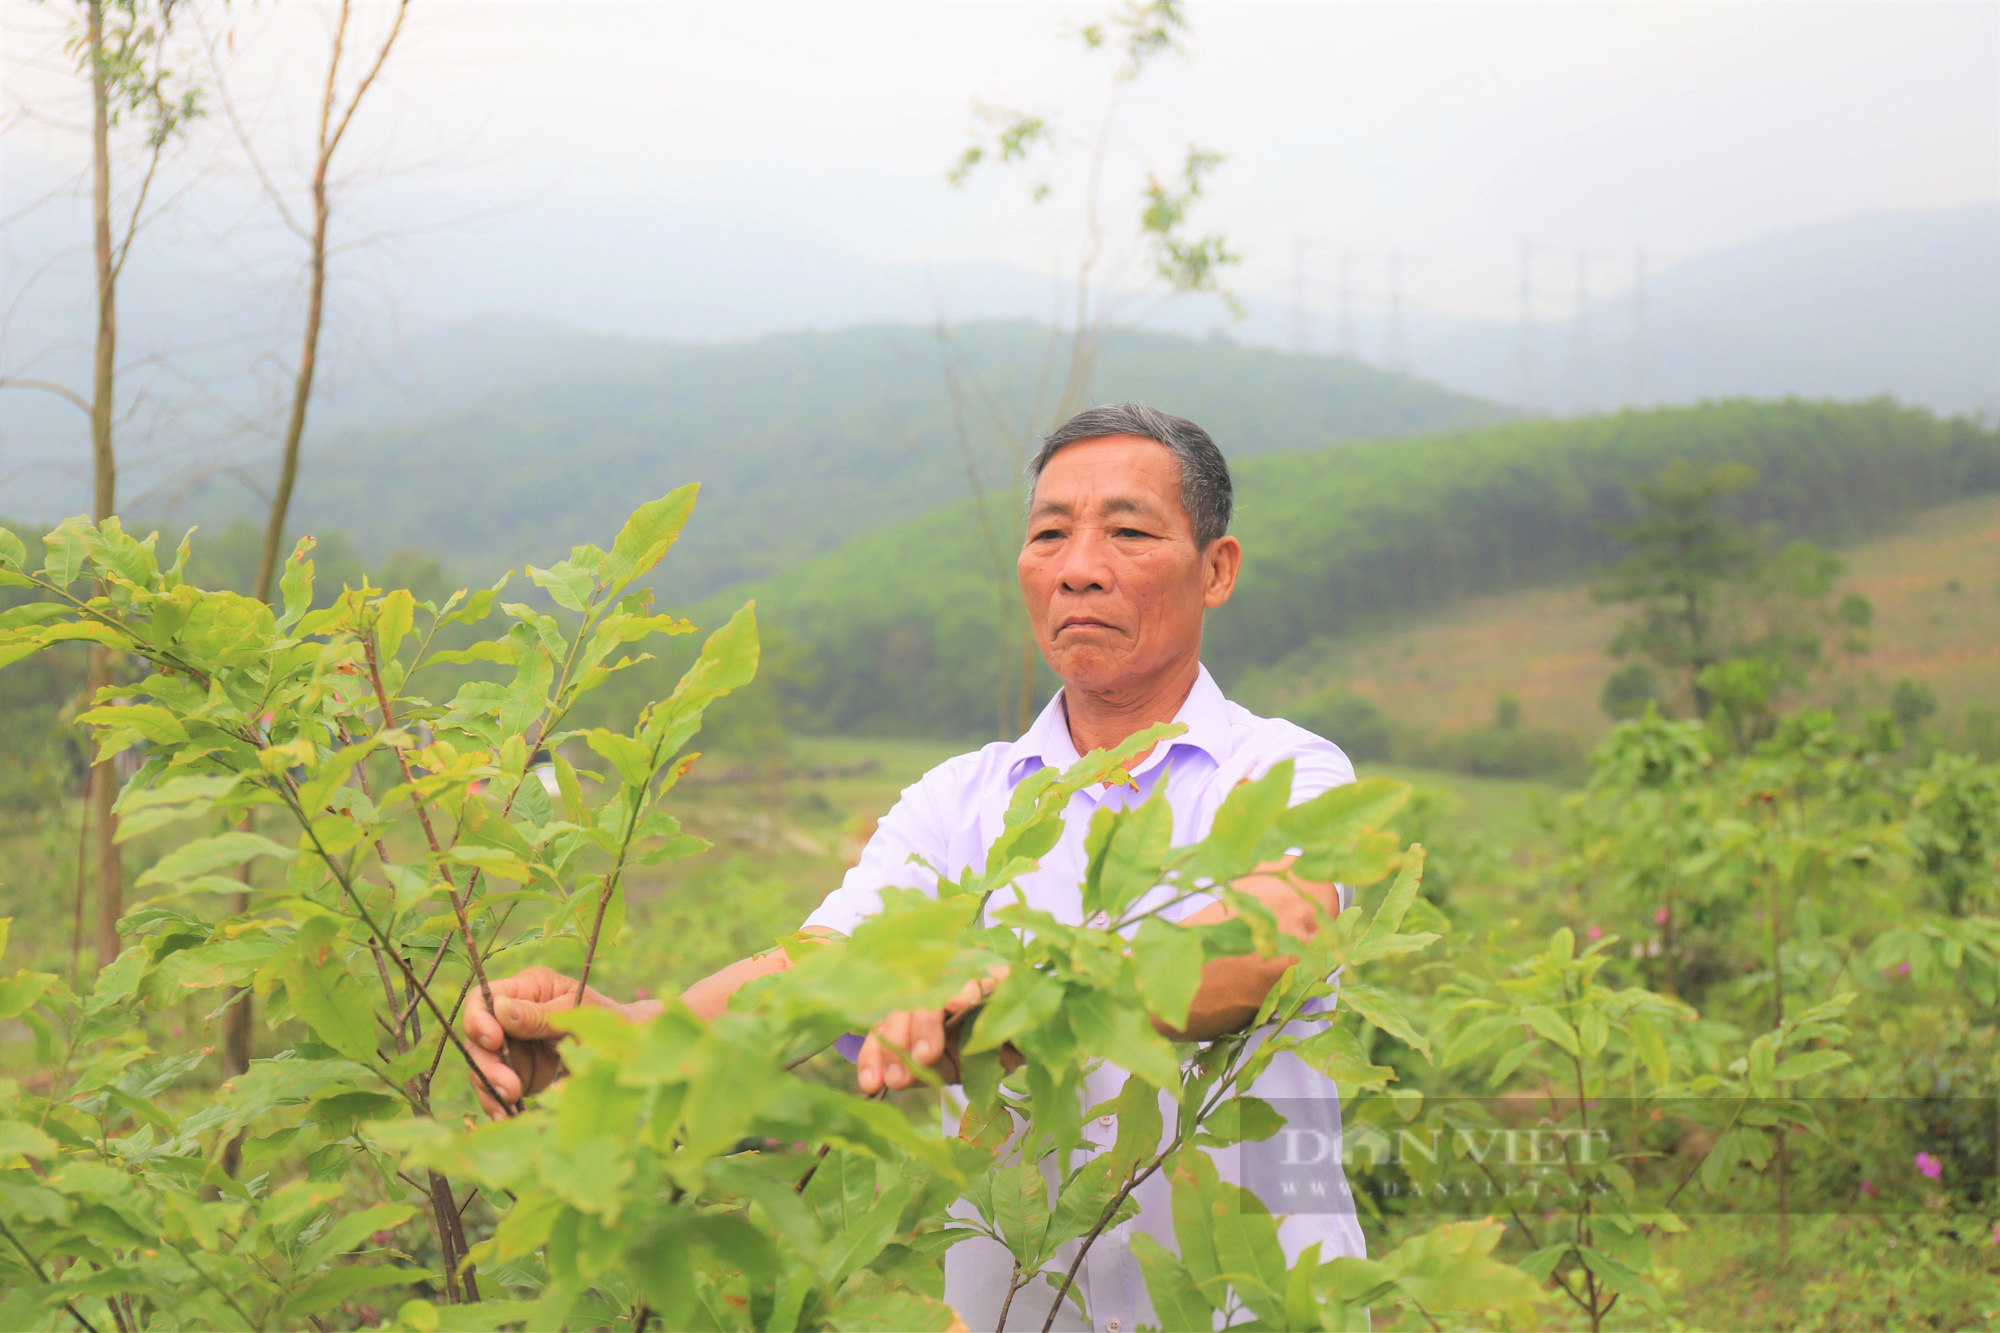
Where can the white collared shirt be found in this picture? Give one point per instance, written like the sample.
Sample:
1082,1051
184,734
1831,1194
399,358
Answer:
950,816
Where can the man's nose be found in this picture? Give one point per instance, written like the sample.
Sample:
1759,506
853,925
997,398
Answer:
1086,564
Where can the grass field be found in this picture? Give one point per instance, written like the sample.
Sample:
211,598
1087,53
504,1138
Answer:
1935,587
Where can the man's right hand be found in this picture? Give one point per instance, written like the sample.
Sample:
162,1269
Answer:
519,1025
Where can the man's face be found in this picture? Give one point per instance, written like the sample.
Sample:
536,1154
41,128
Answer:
1114,584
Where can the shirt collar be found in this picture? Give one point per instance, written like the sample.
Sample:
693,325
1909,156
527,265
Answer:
1047,743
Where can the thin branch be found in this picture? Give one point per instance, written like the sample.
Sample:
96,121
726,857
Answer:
42,1273
361,91
430,833
48,386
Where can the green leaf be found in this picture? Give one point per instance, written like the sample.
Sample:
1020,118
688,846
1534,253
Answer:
1177,1301
1021,1211
1794,1068
1246,1245
19,1139
398,615
1195,1183
1128,850
331,1289
1763,1064
486,650
1139,1124
1378,1008
143,809
66,554
572,792
1543,1262
21,990
31,613
333,772
1592,1028
1510,1062
1123,1035
1247,813
1617,1276
632,758
1389,916
1646,1041
119,555
325,993
207,855
1238,1119
893,1312
1341,813
295,585
567,586
1722,1160
1336,1052
13,555
349,1231
855,1246
1552,1025
153,722
1025,999
648,534
1166,963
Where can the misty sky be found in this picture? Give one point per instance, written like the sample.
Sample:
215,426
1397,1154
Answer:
1450,131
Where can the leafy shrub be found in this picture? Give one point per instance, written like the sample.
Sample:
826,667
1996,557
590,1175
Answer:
678,1173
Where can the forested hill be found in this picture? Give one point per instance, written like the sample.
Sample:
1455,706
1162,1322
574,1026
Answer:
901,634
800,440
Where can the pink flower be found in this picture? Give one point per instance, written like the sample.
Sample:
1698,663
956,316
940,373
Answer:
1594,934
1930,1166
1868,1188
1996,1235
1660,917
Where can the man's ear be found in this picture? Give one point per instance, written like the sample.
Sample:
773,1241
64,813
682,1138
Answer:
1220,564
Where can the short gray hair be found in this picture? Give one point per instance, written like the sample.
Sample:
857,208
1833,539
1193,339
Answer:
1206,492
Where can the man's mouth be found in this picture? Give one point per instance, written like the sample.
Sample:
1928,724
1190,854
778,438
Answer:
1082,622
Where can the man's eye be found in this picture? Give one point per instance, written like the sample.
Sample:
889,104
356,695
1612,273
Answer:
1048,534
1129,532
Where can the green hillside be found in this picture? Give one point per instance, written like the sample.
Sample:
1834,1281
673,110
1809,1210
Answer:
899,632
800,440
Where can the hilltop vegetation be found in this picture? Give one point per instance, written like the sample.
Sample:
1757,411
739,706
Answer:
1934,586
902,635
800,440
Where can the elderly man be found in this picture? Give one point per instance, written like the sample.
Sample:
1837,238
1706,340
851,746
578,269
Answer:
1126,550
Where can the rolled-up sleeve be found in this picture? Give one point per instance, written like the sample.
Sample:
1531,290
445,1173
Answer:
913,828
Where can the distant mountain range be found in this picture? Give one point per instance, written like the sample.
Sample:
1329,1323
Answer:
512,441
1904,304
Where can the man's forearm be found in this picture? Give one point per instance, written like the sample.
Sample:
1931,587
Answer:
710,996
1233,989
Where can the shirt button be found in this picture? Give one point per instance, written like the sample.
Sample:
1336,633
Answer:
1113,1325
1100,921
1107,1121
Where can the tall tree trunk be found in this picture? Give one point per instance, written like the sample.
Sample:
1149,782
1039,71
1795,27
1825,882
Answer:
104,467
333,122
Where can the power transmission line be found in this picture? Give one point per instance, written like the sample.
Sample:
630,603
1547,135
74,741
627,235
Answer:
1641,389
1528,393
